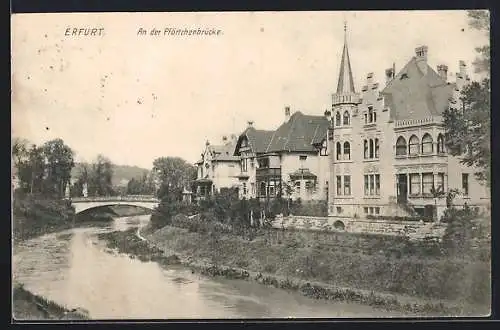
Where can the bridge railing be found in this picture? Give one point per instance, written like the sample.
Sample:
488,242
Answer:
129,198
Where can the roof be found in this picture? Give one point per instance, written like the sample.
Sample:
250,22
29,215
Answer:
257,139
303,173
415,95
299,133
223,152
345,83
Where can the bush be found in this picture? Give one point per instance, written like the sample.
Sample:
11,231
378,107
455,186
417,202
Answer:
458,235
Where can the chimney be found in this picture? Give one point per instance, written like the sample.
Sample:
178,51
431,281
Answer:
389,75
463,69
421,56
287,113
250,123
224,139
369,78
443,71
207,143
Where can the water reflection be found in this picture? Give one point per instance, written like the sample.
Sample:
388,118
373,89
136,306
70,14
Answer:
73,269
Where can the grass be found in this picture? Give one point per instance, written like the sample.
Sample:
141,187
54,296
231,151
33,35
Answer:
29,306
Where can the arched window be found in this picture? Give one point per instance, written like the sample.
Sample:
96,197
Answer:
347,151
339,150
346,118
413,145
366,118
427,147
366,149
401,146
371,148
377,148
440,143
337,119
262,189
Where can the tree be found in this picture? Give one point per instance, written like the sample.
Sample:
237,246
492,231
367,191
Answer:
59,162
100,177
468,126
134,187
174,174
467,130
480,20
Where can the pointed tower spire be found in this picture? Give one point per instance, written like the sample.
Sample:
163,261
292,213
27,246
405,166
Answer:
346,82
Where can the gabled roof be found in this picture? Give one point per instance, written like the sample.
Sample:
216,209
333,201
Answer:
299,133
257,139
415,95
223,152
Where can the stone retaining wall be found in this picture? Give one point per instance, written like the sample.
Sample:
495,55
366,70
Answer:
413,229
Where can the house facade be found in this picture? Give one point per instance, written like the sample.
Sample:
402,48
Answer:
291,161
217,168
388,154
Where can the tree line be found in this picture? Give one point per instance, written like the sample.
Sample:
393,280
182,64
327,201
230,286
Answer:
46,170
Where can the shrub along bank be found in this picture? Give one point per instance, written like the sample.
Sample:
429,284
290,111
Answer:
35,215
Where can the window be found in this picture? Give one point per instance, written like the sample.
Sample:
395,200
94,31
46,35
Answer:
367,186
244,188
377,184
413,143
427,147
244,165
366,118
377,148
365,209
440,144
271,190
310,185
371,148
339,150
346,118
427,183
339,209
370,114
327,191
347,151
252,163
337,119
323,151
372,184
365,145
302,160
440,182
339,185
371,210
252,187
347,185
374,116
401,146
415,184
262,189
377,210
465,183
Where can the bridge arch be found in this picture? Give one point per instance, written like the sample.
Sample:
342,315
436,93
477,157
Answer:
82,204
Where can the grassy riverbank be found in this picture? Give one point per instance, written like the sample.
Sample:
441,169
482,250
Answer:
35,215
282,267
29,306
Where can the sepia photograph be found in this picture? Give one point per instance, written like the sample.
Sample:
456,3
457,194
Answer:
250,165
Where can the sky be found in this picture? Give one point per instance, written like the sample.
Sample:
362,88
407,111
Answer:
134,98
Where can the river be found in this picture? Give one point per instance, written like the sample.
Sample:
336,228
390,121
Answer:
74,268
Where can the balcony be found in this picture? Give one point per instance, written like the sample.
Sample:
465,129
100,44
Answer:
268,172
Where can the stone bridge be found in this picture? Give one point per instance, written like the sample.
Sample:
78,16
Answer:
85,203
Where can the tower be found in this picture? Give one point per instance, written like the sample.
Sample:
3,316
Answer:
340,135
